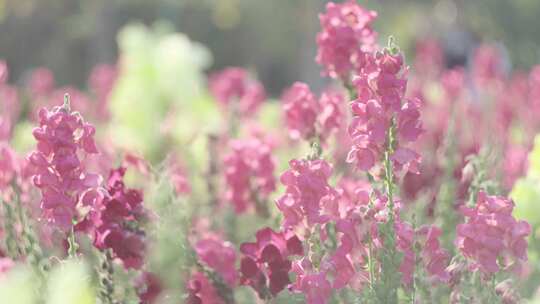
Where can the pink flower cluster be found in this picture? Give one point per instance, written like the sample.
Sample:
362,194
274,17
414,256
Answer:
60,174
434,258
346,38
249,173
9,107
314,285
219,256
491,235
266,264
233,87
117,226
379,109
306,117
307,193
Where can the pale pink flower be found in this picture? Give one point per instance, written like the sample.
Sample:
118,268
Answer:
307,192
301,109
345,38
249,173
233,87
491,233
220,256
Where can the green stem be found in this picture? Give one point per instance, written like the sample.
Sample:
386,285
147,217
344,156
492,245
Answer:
73,246
389,174
370,264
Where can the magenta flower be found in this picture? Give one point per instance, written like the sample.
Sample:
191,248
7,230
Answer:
307,192
301,109
200,290
434,259
314,285
220,256
249,173
331,115
345,39
266,265
381,88
491,233
149,286
306,117
65,185
233,85
118,223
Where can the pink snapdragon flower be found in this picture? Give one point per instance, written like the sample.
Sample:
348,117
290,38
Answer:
306,117
314,285
200,290
380,105
332,113
345,39
249,173
265,265
434,259
307,193
487,65
65,185
491,233
234,85
119,221
219,256
301,109
149,287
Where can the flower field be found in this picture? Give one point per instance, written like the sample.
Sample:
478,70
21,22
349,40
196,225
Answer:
403,181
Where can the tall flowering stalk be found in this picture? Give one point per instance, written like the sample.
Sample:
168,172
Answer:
66,187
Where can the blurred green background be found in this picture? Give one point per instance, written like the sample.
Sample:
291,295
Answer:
275,38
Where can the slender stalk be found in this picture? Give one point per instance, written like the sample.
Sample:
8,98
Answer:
370,264
73,246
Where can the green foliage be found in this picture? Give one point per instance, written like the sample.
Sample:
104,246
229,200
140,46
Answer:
526,193
161,72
